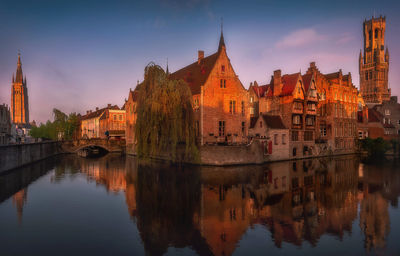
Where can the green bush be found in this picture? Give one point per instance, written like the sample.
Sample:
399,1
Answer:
375,147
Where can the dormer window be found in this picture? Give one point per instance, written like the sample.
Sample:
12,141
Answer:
223,68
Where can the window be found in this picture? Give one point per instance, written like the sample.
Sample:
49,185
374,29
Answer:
310,121
283,139
260,124
370,74
295,182
298,106
251,111
295,135
222,83
115,117
387,112
251,99
223,68
221,128
243,128
232,106
376,33
311,106
322,130
308,135
243,108
276,183
366,76
120,117
296,119
276,139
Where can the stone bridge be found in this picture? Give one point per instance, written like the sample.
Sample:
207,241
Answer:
73,146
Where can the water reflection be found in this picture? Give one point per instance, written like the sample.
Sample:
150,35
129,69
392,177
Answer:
209,209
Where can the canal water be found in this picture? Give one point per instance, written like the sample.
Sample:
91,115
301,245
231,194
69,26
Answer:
70,205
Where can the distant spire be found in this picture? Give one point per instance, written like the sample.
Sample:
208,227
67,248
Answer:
18,75
167,68
221,39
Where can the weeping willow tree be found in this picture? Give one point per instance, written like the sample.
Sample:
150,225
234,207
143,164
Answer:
164,116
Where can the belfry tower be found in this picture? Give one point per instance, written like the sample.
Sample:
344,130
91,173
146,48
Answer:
19,97
374,65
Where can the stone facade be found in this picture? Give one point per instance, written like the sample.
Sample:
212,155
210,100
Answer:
5,124
19,97
374,65
220,100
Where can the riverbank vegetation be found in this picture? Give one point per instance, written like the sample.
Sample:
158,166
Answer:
375,147
62,127
165,118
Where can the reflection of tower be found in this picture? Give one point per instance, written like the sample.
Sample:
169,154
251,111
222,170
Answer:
19,200
374,65
19,97
374,220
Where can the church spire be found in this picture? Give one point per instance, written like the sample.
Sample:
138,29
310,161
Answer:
167,68
221,39
18,75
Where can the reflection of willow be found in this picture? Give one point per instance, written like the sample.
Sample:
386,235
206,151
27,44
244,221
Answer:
167,202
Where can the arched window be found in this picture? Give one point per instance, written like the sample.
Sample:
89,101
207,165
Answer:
376,33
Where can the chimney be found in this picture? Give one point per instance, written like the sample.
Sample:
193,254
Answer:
200,56
277,82
87,112
108,105
90,111
312,64
97,108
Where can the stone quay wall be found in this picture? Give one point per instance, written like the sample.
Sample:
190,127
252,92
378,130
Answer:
14,156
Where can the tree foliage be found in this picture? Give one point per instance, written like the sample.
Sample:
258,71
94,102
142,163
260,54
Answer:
63,125
375,147
165,116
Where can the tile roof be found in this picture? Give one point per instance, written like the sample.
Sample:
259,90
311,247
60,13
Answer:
97,113
306,81
273,122
289,83
374,116
332,75
196,74
260,90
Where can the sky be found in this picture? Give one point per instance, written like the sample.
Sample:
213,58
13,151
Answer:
79,55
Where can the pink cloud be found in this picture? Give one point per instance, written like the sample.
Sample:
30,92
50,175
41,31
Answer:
299,38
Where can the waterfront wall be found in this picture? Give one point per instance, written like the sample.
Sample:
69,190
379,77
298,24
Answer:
14,156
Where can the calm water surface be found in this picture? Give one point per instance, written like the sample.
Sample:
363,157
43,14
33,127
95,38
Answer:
114,206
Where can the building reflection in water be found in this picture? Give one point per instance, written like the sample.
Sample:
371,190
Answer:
209,209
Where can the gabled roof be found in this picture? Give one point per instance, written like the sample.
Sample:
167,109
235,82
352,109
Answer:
334,75
98,113
273,122
196,74
307,81
374,116
289,83
260,90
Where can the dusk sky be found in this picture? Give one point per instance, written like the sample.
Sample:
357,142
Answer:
78,55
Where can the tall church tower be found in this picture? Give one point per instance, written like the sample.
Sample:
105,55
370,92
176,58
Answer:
374,65
19,97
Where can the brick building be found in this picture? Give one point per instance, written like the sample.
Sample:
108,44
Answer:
131,115
5,124
219,98
390,112
374,65
296,103
90,123
273,135
113,122
337,110
369,124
